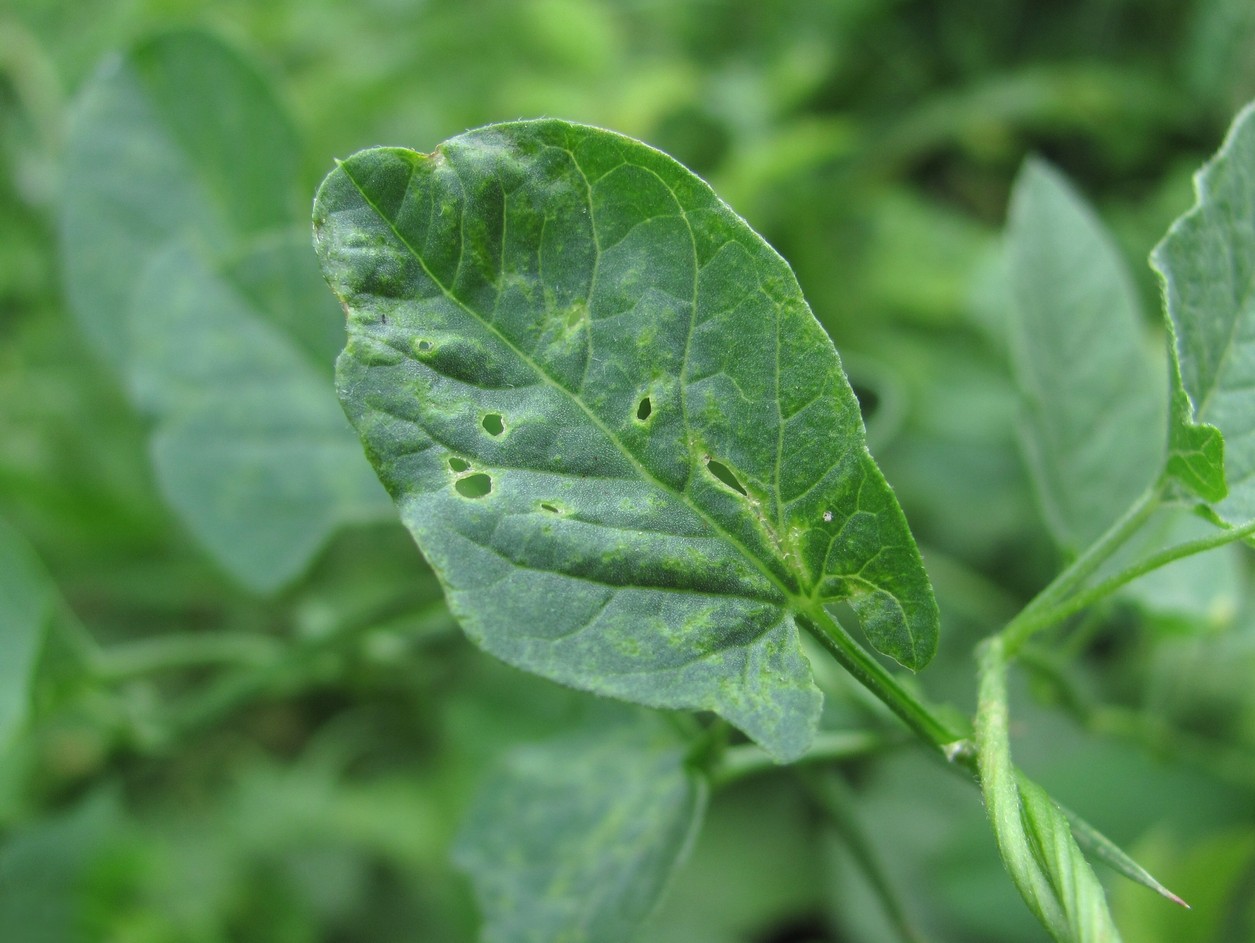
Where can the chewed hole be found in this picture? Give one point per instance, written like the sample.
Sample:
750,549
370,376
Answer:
474,486
424,346
493,424
724,474
550,508
458,464
644,409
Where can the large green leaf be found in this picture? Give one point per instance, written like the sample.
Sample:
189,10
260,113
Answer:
1092,399
183,265
25,606
573,841
1207,266
611,422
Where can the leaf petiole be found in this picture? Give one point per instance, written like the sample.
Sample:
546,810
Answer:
873,676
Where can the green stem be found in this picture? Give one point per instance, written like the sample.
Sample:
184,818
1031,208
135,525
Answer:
1045,608
1081,600
873,676
746,760
185,650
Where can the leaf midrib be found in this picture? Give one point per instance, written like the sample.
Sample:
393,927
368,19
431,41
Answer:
794,601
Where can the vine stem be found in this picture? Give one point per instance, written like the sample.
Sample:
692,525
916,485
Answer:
877,679
1047,607
1074,604
1062,597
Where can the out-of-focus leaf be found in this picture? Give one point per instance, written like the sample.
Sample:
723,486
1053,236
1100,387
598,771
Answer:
248,446
1092,400
179,137
611,422
575,840
43,867
26,599
181,262
1207,266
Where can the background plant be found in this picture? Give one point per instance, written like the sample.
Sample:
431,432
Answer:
196,760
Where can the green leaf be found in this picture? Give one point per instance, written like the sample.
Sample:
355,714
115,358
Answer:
574,841
1092,399
1032,832
1206,264
180,136
248,446
611,422
26,600
184,267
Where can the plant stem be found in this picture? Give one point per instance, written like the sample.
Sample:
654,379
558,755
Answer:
873,676
1046,607
741,762
127,660
1081,600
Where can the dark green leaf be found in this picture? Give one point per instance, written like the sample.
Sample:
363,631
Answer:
184,267
574,841
26,599
558,277
1091,396
1207,266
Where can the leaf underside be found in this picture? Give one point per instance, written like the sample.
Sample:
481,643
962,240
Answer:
611,422
1206,265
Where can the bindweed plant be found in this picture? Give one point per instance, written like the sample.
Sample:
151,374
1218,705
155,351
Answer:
631,455
237,705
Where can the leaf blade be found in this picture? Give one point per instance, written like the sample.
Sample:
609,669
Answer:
1208,282
180,244
559,276
576,839
1091,399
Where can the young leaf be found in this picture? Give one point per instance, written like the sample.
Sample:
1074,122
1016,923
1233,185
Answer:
1206,264
1091,396
181,265
1032,832
611,422
25,606
576,839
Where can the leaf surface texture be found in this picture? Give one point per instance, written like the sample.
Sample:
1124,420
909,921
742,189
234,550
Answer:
610,420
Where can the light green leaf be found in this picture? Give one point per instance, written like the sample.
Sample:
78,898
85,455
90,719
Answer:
180,136
614,427
1032,832
1206,264
184,266
26,599
248,446
1091,396
574,841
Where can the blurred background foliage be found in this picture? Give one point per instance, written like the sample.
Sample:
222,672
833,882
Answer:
201,743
